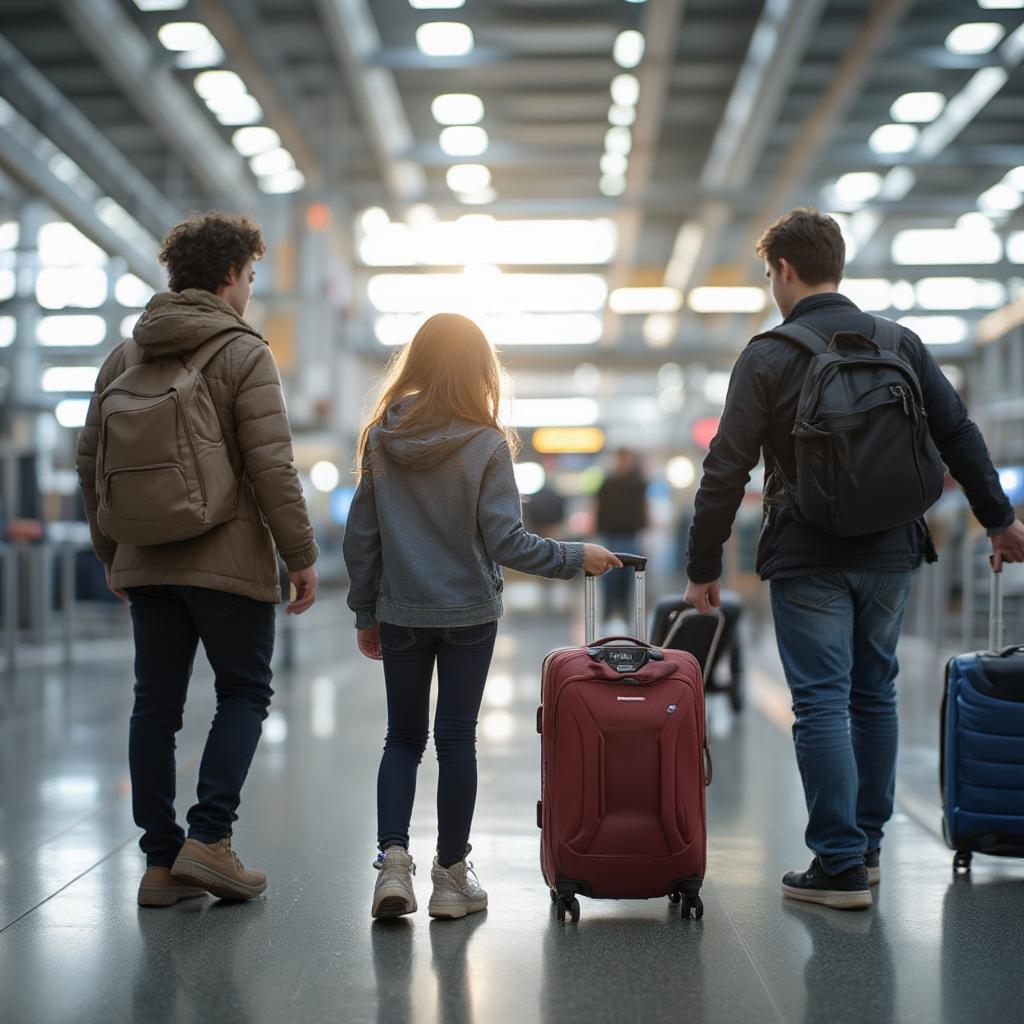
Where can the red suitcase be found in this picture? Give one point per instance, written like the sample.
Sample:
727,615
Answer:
624,763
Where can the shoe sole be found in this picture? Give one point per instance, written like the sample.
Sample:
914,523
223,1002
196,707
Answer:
447,912
213,882
874,876
392,906
834,898
162,898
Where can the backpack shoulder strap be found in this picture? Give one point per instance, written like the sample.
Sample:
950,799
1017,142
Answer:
201,357
888,334
807,337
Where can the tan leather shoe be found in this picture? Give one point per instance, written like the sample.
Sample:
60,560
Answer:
216,867
158,889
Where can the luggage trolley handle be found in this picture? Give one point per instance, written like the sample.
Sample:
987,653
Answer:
995,608
638,563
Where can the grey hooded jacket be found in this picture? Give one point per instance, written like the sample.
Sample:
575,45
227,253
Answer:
433,518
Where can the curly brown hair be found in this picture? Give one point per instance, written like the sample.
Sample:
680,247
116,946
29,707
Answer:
810,241
205,250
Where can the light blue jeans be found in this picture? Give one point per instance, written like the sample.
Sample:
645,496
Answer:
837,635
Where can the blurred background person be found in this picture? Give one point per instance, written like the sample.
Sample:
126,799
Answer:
621,516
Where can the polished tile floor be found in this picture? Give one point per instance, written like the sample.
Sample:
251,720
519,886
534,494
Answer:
74,946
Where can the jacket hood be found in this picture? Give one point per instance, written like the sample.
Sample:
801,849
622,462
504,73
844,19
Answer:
430,445
176,322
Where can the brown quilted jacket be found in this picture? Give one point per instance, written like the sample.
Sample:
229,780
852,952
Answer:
239,555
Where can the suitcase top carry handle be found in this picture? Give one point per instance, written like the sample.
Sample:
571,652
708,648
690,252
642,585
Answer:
638,563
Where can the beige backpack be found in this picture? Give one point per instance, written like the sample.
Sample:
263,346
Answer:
162,467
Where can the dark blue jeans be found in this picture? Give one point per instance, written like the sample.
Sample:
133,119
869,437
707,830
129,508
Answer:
463,656
238,637
837,635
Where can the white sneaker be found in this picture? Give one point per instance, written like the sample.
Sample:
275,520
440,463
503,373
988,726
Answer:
393,894
457,891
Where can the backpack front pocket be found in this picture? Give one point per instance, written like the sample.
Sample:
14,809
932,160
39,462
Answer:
148,493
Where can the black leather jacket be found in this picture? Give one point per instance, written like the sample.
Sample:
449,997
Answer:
760,411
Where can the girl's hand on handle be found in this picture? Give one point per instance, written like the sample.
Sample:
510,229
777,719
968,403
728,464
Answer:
598,560
369,643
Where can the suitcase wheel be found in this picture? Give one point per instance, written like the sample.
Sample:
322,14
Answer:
554,896
690,905
567,905
962,861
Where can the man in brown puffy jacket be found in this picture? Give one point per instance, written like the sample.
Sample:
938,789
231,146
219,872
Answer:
219,587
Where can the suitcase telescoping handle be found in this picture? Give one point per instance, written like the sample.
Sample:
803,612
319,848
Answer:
995,608
638,563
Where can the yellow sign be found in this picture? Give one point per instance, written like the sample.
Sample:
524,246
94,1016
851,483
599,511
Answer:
568,440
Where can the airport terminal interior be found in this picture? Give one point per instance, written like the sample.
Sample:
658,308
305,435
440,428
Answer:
587,180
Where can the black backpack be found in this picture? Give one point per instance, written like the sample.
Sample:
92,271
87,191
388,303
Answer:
865,459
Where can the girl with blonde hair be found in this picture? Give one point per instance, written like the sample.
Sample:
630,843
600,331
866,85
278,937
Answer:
435,515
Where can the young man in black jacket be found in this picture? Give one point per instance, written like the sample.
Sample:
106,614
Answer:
837,603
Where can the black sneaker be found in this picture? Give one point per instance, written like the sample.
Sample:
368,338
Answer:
846,891
871,863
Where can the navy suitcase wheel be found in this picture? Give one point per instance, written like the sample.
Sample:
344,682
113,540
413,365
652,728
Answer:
982,747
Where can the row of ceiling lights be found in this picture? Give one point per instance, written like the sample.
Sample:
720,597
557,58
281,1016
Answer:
627,51
228,99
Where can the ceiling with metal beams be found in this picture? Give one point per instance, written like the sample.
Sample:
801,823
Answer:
745,108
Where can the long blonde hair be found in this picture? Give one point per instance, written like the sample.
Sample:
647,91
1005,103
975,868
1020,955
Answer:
453,369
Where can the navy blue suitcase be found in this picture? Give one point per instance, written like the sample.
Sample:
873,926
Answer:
982,747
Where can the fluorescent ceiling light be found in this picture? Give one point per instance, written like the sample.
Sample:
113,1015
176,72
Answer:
1001,5
183,36
127,325
8,285
373,218
237,110
858,186
893,138
621,116
436,5
160,5
974,222
937,330
612,184
645,300
254,140
131,291
716,387
515,329
709,299
974,38
614,163
62,245
551,412
60,287
481,197
660,330
468,177
419,215
54,331
444,39
72,412
8,330
283,182
9,233
487,294
1001,198
625,90
487,240
618,140
205,57
70,378
872,293
937,246
212,85
628,49
457,108
465,140
1015,247
274,161
1014,178
918,107
959,293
